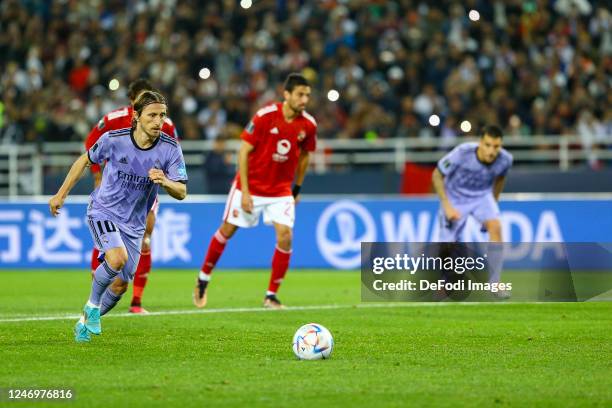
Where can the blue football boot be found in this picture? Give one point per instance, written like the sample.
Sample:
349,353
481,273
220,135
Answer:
81,334
92,319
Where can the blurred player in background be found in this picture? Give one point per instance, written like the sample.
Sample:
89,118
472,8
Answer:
468,181
120,119
139,159
275,152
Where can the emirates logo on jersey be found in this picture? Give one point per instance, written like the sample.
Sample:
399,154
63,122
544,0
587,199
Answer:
282,148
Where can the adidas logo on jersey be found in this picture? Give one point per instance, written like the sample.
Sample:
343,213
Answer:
123,160
274,131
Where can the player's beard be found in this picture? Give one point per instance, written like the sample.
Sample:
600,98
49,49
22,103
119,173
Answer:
297,108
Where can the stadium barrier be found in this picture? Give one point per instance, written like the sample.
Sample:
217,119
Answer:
328,230
24,168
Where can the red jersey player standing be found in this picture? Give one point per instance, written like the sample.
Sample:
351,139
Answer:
275,151
119,119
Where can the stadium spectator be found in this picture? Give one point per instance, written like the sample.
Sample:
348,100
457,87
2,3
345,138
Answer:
540,62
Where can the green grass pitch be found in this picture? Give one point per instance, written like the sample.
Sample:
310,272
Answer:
557,354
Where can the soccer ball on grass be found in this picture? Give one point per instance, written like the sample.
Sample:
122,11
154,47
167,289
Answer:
312,342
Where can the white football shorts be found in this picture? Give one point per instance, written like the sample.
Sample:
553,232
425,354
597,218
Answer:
280,210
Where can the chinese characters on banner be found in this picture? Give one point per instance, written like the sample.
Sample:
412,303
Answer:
34,237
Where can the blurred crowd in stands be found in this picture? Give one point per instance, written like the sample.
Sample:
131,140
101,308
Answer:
536,67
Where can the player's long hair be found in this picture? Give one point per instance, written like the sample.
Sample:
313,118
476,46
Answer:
144,99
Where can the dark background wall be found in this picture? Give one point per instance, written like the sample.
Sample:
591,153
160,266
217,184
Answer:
385,182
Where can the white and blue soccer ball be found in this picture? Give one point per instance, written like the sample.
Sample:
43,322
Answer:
312,341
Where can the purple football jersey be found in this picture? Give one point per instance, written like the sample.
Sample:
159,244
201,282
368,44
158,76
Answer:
465,177
126,193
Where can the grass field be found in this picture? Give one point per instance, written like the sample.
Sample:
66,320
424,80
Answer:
400,354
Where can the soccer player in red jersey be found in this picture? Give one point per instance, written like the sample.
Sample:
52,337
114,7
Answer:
119,119
275,152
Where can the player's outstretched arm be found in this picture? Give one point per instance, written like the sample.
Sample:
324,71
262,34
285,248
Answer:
300,174
438,182
498,186
176,189
243,169
76,171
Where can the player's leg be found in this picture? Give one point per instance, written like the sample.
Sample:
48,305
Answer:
95,261
495,254
108,240
281,214
216,248
487,213
114,260
144,264
80,330
493,227
214,252
113,293
233,218
280,265
95,253
449,234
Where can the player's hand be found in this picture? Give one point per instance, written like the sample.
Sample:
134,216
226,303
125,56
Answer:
55,203
452,214
157,176
297,199
247,203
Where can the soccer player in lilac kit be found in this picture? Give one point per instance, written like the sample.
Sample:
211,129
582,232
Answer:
468,181
138,160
